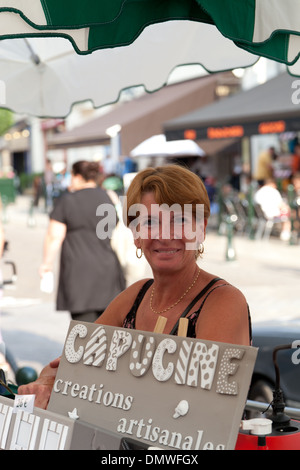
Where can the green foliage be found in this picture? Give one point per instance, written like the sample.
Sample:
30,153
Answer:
6,120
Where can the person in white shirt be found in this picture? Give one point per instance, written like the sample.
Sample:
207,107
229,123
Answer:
274,207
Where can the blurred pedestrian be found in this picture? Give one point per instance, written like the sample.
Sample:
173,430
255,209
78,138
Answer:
295,203
296,184
37,190
108,166
274,207
48,182
296,159
90,273
265,168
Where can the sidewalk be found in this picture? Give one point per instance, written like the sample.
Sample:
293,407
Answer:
267,272
30,326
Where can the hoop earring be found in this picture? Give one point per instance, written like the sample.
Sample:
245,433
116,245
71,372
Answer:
139,254
200,250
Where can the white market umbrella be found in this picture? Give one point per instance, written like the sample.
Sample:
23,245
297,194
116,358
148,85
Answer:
94,49
45,76
158,146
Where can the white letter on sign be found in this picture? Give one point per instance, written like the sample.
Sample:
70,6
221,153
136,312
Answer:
227,368
70,353
120,343
159,372
96,348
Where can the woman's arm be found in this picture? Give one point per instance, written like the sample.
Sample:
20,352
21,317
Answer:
114,315
54,238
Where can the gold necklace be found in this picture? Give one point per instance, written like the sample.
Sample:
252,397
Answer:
179,300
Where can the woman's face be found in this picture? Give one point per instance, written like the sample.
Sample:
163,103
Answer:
168,236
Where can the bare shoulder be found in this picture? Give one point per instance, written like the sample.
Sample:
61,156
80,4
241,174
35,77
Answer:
227,298
224,316
117,310
230,293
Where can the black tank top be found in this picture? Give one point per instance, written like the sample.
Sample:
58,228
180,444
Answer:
129,321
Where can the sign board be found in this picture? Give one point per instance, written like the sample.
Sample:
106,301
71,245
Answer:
40,430
233,129
165,391
45,430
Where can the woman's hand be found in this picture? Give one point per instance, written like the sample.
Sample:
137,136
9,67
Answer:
42,387
44,268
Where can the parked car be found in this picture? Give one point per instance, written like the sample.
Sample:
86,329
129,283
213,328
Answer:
267,336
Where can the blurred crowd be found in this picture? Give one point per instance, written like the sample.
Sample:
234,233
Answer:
267,203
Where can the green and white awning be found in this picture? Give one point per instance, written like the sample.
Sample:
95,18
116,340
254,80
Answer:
266,28
93,49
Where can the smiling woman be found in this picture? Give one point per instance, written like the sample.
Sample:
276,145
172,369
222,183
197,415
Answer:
213,309
163,211
173,208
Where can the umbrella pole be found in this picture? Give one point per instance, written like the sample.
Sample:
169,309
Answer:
33,56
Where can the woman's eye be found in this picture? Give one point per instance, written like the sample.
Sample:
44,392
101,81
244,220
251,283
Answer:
180,220
149,222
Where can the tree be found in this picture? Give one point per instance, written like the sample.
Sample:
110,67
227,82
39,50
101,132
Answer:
6,120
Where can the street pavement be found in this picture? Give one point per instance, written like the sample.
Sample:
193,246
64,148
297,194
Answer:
267,272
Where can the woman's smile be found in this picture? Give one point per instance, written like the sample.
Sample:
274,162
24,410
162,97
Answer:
164,251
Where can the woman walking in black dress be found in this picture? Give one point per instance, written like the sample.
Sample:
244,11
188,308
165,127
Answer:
90,272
